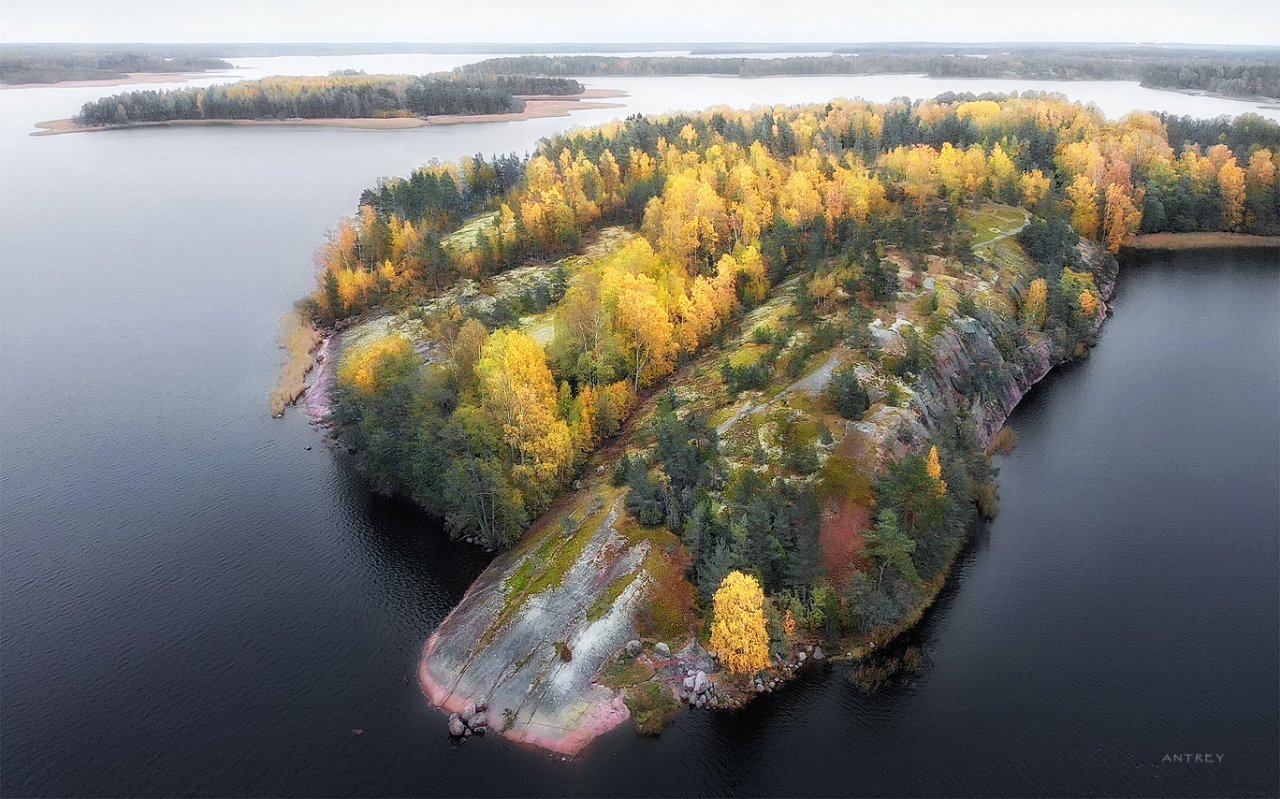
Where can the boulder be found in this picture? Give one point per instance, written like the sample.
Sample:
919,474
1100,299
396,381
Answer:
818,653
700,682
468,711
662,650
634,648
478,720
456,727
800,657
689,682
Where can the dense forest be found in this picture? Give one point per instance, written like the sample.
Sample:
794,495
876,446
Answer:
843,213
341,95
26,65
1247,74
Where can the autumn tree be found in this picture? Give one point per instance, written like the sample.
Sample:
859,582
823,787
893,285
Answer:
1088,304
1034,306
934,466
517,389
738,633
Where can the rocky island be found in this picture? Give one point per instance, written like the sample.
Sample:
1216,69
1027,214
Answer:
724,386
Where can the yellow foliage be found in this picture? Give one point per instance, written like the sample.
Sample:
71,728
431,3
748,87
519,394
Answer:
738,632
1088,303
1231,182
517,389
1082,194
360,364
934,467
1034,307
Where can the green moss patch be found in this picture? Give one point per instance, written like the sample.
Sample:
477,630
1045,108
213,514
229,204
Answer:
652,707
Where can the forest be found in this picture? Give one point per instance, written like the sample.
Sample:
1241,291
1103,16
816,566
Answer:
1246,74
36,65
688,264
337,96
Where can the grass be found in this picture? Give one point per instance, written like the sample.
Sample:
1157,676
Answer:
991,220
464,238
652,707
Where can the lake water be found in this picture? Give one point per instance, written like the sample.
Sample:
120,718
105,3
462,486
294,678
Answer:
194,602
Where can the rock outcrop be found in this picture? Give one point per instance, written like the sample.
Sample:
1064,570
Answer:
497,647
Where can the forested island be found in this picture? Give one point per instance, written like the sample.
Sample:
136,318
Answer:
337,96
1252,73
724,386
27,64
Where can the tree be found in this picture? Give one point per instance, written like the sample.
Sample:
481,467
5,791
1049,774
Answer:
1231,184
1033,309
847,394
644,329
934,466
517,389
1088,304
738,631
891,547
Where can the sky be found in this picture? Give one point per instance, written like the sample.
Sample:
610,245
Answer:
523,21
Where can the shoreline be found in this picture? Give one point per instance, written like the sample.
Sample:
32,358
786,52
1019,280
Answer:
130,78
536,107
1170,242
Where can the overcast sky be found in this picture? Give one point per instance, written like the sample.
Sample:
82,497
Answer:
1227,22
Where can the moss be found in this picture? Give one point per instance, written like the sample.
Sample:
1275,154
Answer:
652,707
624,671
610,595
845,478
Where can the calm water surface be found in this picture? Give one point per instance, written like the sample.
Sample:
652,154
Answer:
192,602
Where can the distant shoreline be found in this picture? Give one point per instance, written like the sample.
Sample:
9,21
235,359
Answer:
129,79
535,107
1201,241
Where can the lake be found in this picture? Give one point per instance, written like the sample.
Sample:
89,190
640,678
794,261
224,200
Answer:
196,599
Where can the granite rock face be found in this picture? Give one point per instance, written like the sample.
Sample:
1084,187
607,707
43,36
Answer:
501,653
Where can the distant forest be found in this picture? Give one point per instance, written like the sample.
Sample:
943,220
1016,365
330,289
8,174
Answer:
339,96
1235,71
1256,73
25,66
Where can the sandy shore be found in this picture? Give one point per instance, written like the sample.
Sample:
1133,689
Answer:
130,78
535,107
1201,241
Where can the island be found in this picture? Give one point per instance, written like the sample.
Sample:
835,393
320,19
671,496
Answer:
724,388
23,66
346,99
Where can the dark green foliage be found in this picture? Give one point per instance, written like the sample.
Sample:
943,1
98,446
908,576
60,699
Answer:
906,488
847,394
338,96
745,378
881,278
1051,243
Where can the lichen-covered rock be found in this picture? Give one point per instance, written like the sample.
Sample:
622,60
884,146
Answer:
494,649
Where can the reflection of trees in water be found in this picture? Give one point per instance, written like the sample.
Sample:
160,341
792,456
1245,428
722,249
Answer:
410,563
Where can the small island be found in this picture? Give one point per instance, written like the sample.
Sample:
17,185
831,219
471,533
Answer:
342,99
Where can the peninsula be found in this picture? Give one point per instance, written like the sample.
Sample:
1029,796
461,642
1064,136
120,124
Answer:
723,386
